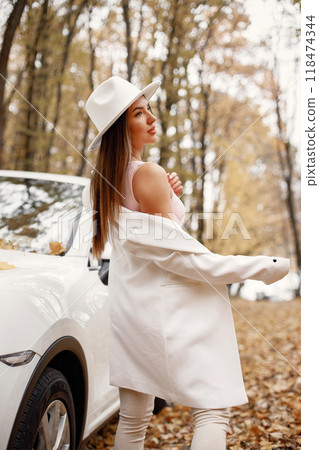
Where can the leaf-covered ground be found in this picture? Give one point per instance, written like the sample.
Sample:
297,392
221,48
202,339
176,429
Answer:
271,420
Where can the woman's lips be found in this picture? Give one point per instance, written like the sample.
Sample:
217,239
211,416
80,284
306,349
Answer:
152,130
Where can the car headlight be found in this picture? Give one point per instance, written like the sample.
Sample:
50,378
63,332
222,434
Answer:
17,359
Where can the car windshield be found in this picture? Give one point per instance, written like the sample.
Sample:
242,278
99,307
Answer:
38,215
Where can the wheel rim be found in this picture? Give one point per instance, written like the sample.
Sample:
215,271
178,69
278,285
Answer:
54,429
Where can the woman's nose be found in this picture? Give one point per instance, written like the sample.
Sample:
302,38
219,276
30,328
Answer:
151,118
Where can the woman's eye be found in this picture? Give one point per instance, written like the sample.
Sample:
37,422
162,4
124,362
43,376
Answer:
149,109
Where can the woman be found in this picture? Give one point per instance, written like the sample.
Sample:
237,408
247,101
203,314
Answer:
171,330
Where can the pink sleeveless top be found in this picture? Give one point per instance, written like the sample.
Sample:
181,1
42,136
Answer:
130,202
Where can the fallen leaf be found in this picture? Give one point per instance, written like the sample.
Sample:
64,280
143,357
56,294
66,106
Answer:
56,248
7,245
5,266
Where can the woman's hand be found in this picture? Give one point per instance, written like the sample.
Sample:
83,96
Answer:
175,182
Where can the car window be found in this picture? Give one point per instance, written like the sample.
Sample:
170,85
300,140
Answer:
38,215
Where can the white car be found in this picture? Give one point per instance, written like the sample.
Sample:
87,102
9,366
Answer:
54,386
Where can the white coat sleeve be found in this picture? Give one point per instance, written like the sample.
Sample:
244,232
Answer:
213,268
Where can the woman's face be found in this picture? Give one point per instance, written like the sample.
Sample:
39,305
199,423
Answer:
141,124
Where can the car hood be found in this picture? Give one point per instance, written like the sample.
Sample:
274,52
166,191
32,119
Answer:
26,264
34,294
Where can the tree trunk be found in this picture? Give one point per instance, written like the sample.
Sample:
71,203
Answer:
30,121
87,120
200,187
131,56
167,75
287,174
129,62
12,25
71,29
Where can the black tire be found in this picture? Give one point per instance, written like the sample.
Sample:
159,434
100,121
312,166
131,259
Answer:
51,394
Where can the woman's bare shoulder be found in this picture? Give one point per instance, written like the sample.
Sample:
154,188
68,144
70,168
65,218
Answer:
151,188
151,169
151,173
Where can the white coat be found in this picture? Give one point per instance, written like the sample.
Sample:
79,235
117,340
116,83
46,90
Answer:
171,326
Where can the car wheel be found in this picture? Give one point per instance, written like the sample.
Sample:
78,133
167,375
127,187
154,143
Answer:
48,421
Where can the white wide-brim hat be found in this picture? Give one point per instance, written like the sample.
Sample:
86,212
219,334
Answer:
109,101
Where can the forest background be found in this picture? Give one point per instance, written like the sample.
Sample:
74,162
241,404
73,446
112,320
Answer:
227,124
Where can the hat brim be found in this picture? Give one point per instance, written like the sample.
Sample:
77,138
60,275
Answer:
148,92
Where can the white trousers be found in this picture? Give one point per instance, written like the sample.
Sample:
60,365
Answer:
136,412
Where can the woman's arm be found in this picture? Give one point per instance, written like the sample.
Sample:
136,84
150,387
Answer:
166,244
152,190
208,267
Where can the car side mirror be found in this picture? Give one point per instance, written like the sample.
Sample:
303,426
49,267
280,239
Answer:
104,271
102,265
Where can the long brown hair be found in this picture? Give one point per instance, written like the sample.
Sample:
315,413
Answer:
107,180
